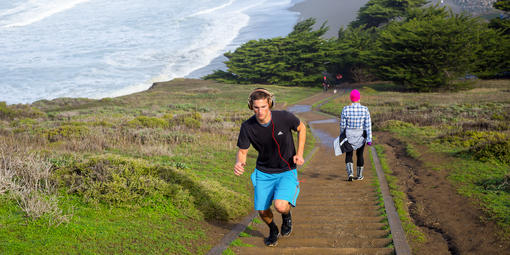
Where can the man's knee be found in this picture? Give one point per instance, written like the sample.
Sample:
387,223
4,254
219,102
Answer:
265,213
282,206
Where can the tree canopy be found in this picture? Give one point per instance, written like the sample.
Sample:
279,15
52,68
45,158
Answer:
428,51
377,12
297,59
419,48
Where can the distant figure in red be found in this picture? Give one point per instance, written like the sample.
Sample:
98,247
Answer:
339,76
325,84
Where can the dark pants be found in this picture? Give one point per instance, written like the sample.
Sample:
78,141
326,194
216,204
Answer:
359,156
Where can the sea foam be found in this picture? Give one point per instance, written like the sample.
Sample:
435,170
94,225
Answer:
35,10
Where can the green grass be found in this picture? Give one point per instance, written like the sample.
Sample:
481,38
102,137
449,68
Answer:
412,231
100,230
180,138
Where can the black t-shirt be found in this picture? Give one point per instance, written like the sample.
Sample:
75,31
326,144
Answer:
269,160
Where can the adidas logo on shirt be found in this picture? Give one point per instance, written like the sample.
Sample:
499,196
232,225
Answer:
280,133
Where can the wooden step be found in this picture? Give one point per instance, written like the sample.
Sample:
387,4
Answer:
328,226
342,220
345,207
311,251
312,203
338,233
344,212
291,241
338,195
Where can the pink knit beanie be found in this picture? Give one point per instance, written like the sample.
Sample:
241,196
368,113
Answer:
355,95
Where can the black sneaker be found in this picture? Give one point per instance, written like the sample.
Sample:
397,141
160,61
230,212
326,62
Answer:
350,178
272,239
286,225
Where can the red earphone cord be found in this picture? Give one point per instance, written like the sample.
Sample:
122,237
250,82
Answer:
278,145
279,153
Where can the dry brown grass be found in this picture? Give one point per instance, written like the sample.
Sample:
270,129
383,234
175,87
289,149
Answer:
26,177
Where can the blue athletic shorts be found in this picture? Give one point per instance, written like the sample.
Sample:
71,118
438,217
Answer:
267,187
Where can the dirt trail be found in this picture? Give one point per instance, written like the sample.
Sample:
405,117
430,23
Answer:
332,216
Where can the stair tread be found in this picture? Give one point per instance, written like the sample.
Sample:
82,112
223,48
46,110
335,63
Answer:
312,250
324,242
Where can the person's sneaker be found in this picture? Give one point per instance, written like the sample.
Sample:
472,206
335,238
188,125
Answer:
350,178
359,178
286,225
272,239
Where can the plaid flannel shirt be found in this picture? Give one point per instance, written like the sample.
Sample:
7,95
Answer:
356,116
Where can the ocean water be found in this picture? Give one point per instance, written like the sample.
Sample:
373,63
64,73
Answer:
108,48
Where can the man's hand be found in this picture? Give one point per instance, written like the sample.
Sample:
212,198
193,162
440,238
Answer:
239,168
298,160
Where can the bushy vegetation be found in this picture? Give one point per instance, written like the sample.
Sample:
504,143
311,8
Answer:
379,12
420,48
501,23
297,59
429,51
139,174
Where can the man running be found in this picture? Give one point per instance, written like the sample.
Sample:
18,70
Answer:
275,175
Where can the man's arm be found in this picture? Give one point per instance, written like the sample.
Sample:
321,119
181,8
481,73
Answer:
240,161
298,158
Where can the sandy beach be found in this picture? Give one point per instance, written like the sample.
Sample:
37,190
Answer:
337,13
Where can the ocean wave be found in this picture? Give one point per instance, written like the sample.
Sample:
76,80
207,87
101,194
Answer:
210,10
33,11
117,47
215,34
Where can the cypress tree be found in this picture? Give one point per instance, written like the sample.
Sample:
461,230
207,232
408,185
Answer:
429,50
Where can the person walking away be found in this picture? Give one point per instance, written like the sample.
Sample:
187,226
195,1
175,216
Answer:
325,84
356,123
275,175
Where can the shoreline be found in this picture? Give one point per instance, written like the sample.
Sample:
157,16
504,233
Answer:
336,13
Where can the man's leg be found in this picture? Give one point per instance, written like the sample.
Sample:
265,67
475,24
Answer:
286,194
264,186
267,217
283,207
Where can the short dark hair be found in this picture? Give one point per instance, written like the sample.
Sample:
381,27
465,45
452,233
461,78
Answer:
260,93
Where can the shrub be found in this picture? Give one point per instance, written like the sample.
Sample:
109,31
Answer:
497,184
27,178
112,180
494,148
178,138
9,112
190,120
66,131
192,123
23,125
149,122
396,124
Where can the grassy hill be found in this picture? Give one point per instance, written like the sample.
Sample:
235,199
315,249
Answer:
136,174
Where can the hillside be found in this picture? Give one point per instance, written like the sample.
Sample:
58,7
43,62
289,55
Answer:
113,175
